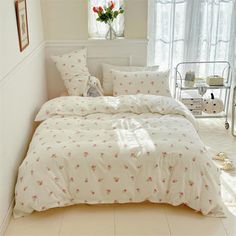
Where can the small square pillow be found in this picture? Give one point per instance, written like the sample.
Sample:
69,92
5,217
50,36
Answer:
72,64
107,81
145,82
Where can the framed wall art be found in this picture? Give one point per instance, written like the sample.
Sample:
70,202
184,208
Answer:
22,23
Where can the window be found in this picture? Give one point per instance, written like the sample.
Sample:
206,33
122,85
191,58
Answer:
187,30
99,29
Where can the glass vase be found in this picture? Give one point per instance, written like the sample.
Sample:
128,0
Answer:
111,33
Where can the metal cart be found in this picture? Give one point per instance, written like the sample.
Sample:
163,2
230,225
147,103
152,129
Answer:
224,89
233,112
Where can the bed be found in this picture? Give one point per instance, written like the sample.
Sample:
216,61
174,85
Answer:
129,148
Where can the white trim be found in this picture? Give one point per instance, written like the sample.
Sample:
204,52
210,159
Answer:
95,42
7,219
24,60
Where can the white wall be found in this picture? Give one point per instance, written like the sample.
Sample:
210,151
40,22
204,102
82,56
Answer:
67,19
22,91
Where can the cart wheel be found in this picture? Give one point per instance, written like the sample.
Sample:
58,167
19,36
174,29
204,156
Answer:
226,125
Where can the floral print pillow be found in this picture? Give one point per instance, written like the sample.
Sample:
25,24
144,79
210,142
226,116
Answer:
74,71
144,82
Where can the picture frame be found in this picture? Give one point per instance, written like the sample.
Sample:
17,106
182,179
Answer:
22,23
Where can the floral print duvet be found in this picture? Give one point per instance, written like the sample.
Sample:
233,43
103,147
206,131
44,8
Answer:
130,148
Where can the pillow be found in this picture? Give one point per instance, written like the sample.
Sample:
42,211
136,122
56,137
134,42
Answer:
145,82
74,71
107,83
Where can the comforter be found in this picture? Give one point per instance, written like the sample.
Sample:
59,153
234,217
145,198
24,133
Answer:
122,149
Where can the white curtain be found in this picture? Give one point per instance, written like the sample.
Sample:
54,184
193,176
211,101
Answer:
191,30
99,29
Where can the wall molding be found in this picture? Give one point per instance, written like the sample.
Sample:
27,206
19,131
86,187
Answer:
96,43
7,219
18,65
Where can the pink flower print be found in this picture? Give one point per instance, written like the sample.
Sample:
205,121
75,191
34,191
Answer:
53,156
51,193
126,167
156,166
132,154
116,179
194,159
132,177
139,166
208,164
93,167
206,186
154,190
61,167
164,154
197,197
92,192
40,182
63,190
201,173
191,183
108,191
210,201
94,145
71,179
170,168
34,197
85,154
138,91
100,180
37,159
25,188
167,191
116,155
152,83
86,180
124,190
149,179
77,190
22,203
181,194
138,190
180,155
163,180
56,179
174,181
69,154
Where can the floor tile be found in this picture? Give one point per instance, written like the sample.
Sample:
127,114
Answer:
37,224
184,221
140,219
88,220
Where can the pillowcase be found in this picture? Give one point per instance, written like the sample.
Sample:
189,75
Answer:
145,82
107,82
74,71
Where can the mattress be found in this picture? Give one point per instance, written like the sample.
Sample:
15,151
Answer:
130,148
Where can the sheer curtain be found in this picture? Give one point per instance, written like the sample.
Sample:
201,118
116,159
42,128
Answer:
191,30
99,29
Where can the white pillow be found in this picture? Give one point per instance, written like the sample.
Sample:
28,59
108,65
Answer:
107,82
145,82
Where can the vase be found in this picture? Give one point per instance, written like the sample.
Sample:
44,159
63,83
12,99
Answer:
111,33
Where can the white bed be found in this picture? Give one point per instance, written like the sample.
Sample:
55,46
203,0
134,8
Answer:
130,148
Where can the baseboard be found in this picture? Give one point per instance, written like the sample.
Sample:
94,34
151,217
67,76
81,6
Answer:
7,219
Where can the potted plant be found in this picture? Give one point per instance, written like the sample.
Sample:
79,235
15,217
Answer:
108,14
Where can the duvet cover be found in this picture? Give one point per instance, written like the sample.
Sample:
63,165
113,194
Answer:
130,148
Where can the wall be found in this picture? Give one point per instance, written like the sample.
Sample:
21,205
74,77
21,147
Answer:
22,91
73,25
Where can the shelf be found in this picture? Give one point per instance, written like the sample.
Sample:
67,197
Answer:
225,86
